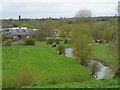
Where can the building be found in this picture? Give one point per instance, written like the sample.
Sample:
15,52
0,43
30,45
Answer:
18,32
56,33
19,17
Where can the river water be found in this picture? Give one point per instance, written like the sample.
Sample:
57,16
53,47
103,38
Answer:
97,69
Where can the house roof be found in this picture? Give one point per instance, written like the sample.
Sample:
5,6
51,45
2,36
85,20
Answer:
23,28
18,31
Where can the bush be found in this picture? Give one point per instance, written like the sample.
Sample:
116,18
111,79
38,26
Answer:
50,41
66,41
61,49
20,43
23,37
57,41
29,41
8,42
4,37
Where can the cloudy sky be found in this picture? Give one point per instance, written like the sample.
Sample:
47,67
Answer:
55,8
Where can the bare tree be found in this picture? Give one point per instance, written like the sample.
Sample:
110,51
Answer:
83,13
119,8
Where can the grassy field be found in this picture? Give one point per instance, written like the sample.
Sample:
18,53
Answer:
101,52
105,83
0,66
28,65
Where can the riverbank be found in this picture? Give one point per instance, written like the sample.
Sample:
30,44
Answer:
100,65
104,83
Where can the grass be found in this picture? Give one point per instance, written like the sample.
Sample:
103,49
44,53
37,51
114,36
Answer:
101,52
0,66
41,67
104,83
28,65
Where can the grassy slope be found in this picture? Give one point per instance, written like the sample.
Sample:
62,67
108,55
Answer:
42,61
101,52
0,66
105,83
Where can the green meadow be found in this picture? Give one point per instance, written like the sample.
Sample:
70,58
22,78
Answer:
105,83
0,67
102,53
29,65
40,66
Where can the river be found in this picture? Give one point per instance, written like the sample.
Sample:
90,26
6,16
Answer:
97,69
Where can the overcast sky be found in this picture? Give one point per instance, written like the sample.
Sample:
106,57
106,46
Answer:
55,8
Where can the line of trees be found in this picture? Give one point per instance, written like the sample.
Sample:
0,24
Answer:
84,34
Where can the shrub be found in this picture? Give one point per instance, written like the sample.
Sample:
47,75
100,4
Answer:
66,41
8,42
57,41
50,41
61,49
4,37
20,43
23,37
29,41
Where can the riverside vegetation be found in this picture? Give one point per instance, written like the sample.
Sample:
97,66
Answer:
38,65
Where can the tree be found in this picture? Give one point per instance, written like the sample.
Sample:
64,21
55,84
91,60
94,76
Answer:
113,49
98,27
83,15
31,24
65,30
46,29
30,41
118,8
109,33
4,37
61,49
49,27
15,23
81,38
39,35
